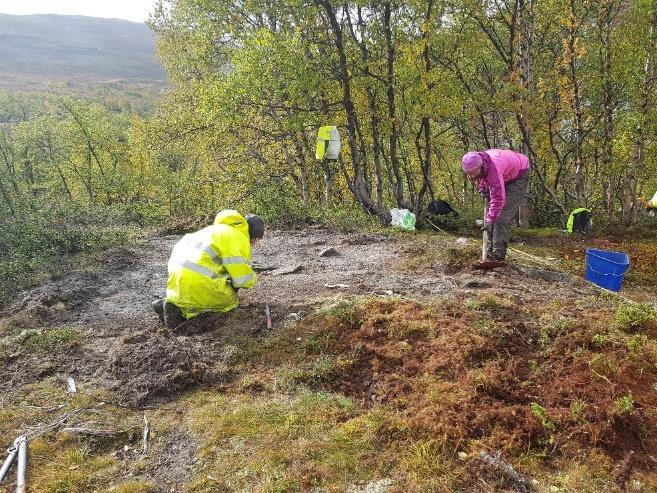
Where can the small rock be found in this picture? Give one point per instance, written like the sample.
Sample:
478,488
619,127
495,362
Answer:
463,455
283,271
329,252
333,286
462,241
380,486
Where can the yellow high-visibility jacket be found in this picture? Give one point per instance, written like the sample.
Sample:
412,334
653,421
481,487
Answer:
205,266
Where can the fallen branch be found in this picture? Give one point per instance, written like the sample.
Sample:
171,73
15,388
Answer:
96,432
147,430
90,431
54,425
520,482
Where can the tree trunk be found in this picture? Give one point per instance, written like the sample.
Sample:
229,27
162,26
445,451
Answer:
526,24
425,161
578,112
608,14
630,188
359,186
398,184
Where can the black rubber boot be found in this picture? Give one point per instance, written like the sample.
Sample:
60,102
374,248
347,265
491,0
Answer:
173,317
158,306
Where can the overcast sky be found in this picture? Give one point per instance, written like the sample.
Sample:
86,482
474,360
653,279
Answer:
132,10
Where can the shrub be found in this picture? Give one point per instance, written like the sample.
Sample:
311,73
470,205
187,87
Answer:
634,316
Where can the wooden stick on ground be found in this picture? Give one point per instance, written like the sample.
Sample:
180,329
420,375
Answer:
147,430
520,482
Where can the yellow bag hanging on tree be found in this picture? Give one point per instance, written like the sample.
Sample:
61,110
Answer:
653,201
328,143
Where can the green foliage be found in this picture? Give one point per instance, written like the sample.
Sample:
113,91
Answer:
319,438
489,302
636,342
284,72
39,241
135,487
577,408
540,412
634,316
624,404
71,470
601,339
326,368
60,339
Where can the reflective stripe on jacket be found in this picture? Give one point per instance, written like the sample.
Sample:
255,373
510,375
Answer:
205,266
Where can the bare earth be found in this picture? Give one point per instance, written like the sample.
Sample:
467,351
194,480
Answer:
126,351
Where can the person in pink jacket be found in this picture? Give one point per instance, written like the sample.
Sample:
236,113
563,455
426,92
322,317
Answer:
503,178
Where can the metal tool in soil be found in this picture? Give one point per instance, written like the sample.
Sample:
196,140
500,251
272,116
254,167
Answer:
486,264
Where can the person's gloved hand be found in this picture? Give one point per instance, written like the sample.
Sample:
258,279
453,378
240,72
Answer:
488,226
485,194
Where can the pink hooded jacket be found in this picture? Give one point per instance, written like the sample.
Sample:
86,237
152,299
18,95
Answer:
500,166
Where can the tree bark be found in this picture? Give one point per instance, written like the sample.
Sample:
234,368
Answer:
630,188
393,139
359,185
425,161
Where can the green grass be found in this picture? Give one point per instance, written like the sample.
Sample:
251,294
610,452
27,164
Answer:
40,341
135,487
281,443
488,302
72,470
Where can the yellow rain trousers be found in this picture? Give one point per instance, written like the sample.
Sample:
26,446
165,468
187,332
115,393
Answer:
205,266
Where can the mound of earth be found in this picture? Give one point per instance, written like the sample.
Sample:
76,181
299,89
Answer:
155,367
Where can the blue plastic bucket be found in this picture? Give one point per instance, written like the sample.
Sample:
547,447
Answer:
606,269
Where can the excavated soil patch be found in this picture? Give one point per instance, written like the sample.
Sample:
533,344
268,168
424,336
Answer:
155,367
55,302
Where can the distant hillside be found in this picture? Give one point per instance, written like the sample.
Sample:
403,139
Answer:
61,48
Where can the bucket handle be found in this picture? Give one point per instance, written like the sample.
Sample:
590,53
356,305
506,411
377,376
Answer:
588,266
605,259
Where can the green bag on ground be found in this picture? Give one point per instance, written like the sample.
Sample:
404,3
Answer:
402,218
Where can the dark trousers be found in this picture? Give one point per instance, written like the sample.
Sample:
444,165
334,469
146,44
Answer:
498,238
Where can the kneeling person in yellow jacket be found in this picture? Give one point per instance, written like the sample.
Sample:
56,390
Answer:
206,268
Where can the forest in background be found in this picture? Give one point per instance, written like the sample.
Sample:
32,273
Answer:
410,85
